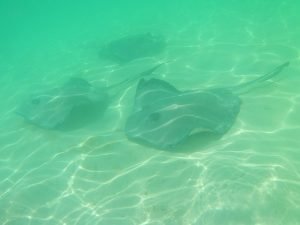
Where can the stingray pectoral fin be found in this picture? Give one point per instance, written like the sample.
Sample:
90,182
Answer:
167,118
133,47
48,118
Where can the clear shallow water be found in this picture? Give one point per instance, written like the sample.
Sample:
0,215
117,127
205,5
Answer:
95,175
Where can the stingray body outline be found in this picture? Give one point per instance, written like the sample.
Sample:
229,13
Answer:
132,47
73,105
51,108
164,117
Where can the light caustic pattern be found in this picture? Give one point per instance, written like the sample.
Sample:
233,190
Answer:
96,176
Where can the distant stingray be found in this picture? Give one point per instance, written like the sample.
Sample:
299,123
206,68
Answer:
164,117
71,106
133,47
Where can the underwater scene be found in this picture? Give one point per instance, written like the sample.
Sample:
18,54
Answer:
128,112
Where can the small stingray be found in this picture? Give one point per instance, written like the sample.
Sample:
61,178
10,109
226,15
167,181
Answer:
133,47
71,106
164,117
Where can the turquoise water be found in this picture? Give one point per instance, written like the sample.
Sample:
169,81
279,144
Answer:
94,175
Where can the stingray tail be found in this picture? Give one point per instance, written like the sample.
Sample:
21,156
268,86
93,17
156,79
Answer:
245,87
138,76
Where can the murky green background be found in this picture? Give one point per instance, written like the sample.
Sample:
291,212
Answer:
94,175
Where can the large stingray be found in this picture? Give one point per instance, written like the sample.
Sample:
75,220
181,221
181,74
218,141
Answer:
164,117
133,47
71,106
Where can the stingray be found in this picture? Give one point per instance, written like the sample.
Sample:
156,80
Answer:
164,117
133,47
73,105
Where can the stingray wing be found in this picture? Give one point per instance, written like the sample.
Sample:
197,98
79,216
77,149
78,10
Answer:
45,110
149,91
78,92
169,119
133,47
66,105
